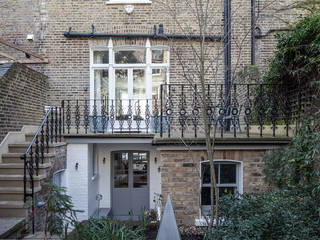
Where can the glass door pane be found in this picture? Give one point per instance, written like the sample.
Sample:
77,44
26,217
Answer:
140,169
139,85
121,170
121,92
139,93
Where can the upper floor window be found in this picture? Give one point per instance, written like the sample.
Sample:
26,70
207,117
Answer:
100,57
128,72
130,56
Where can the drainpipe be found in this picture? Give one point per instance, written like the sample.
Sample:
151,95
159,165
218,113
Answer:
227,45
227,56
253,27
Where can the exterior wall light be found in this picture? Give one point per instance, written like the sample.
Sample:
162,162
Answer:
129,9
77,166
104,160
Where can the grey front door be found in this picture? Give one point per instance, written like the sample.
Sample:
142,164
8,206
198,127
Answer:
130,183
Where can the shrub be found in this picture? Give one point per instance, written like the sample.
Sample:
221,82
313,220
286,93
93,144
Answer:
104,228
290,212
267,216
59,211
297,166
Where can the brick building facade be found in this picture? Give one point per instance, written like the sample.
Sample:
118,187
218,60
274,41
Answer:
135,51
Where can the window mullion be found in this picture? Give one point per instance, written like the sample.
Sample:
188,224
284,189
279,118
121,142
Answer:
148,76
111,72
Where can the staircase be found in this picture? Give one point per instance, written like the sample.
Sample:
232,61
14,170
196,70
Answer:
26,160
11,178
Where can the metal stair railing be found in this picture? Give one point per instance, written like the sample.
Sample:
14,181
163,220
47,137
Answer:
50,131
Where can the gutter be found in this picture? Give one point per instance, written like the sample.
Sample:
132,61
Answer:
258,36
155,35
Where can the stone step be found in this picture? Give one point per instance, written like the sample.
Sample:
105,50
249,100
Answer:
12,228
18,168
17,180
14,193
29,137
12,209
15,158
22,147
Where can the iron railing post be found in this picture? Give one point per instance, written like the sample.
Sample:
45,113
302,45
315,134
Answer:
161,111
63,126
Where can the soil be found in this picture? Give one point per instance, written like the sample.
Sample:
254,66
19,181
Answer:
186,232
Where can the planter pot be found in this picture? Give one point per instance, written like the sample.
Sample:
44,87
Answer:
99,124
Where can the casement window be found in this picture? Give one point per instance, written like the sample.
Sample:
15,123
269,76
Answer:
128,73
228,178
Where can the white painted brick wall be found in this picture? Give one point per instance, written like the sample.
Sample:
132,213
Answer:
77,180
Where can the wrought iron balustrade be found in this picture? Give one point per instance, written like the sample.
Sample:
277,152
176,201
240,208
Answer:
242,110
239,110
111,116
50,131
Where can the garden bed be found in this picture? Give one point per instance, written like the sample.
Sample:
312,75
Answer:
148,232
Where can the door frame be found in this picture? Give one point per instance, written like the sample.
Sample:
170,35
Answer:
130,170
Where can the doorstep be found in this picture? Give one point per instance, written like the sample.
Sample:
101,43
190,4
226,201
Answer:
11,227
103,212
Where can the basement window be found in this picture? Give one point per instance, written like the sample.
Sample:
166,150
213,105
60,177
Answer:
228,178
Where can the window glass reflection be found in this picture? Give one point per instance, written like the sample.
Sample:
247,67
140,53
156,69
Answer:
121,166
101,57
130,56
140,170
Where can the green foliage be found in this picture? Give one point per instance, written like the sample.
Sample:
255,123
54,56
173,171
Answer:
297,58
297,166
59,210
292,211
104,228
295,65
272,215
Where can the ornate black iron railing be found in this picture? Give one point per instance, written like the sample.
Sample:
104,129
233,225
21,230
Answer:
50,131
111,116
245,110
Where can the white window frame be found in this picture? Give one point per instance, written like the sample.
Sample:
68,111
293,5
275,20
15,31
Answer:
239,184
112,2
111,66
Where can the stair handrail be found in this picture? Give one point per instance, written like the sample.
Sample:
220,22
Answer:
38,131
50,130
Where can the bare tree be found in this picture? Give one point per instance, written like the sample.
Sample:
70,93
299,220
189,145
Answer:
204,66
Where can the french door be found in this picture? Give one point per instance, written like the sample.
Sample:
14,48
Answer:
130,183
130,97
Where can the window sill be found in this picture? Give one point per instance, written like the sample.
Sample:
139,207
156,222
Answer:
128,2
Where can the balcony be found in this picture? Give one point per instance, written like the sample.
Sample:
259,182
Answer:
240,111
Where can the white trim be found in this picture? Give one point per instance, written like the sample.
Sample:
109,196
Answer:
239,174
239,171
111,79
148,74
109,140
128,2
147,66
